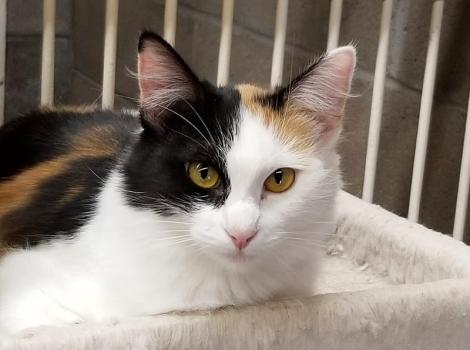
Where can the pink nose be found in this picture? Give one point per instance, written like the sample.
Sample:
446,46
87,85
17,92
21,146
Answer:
242,239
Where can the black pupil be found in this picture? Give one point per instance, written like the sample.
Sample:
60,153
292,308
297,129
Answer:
204,172
278,176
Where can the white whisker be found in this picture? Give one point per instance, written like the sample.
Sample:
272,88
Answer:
202,121
306,234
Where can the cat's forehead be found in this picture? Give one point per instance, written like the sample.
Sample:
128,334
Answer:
289,125
260,145
255,152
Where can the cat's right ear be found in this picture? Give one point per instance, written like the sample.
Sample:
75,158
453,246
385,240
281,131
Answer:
164,78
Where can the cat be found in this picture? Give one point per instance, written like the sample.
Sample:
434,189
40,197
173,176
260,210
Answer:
204,197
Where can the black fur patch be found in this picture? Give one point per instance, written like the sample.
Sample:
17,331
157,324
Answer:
88,146
194,127
40,136
157,167
65,200
49,215
277,99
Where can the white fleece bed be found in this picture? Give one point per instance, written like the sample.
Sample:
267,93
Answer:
386,284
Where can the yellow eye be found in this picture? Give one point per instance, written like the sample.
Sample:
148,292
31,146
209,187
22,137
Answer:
280,180
203,175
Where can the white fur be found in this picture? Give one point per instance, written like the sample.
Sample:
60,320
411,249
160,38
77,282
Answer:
389,284
129,261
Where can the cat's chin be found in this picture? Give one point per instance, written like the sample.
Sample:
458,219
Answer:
234,258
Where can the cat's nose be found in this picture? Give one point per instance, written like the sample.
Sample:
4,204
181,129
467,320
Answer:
242,238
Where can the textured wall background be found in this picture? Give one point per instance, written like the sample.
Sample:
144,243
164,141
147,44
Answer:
23,61
79,65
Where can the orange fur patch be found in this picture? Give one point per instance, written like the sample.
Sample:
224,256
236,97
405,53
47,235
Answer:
71,194
98,141
18,192
292,125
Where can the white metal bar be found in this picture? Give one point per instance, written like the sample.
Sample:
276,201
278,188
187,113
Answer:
3,41
336,7
48,51
169,22
279,42
109,57
223,68
375,122
425,110
464,183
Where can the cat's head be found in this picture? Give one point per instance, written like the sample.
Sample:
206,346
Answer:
248,172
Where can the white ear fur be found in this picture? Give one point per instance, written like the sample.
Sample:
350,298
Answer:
324,86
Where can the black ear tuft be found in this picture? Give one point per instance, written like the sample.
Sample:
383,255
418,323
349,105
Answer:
164,77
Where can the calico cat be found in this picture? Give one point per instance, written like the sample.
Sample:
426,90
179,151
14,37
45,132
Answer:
207,196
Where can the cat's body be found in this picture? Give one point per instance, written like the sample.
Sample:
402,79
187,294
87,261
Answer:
116,224
51,166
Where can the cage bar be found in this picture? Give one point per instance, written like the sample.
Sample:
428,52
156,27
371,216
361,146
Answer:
464,183
373,140
48,52
223,68
334,25
3,41
279,42
109,60
169,22
425,110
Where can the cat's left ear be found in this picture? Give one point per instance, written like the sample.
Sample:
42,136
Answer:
321,90
164,78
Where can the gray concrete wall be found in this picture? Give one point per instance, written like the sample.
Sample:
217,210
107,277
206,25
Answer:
198,38
23,59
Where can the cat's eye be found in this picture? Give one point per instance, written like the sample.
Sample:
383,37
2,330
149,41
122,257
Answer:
280,180
203,175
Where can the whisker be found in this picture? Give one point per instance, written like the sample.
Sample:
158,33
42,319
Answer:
202,121
189,137
305,245
172,237
300,233
297,240
184,118
177,230
173,222
176,242
99,178
300,239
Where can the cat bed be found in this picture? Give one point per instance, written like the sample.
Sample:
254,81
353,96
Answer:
386,284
